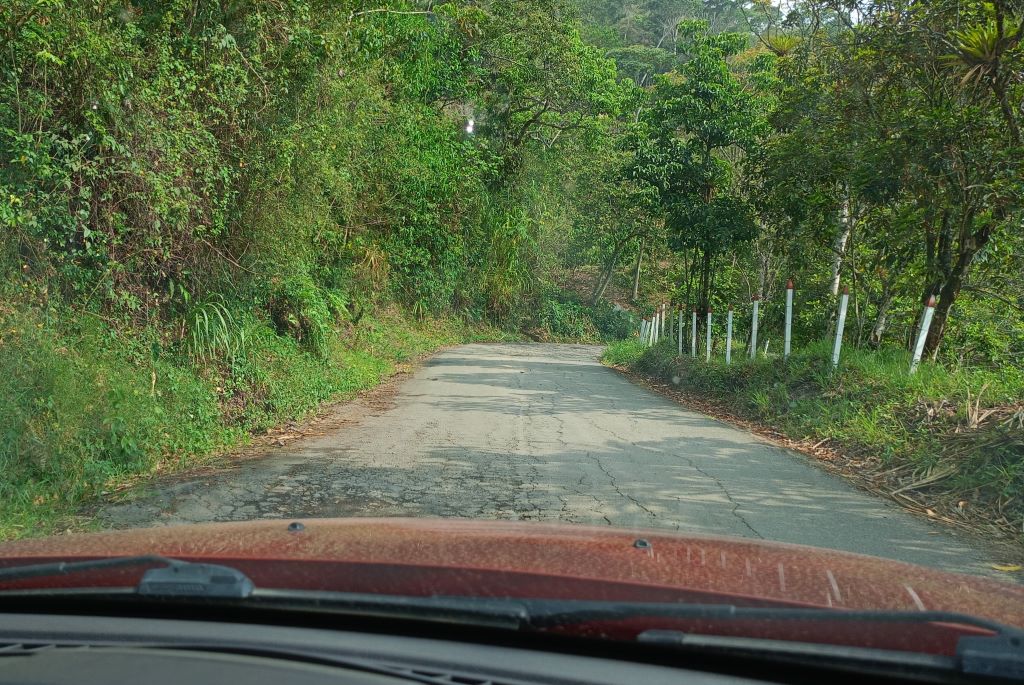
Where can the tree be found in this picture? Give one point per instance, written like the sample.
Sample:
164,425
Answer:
700,124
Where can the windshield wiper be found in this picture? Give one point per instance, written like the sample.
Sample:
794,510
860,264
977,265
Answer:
171,578
174,577
1000,654
554,613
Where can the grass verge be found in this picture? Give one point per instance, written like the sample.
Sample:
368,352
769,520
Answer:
89,407
947,443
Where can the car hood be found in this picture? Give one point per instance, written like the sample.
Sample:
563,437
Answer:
510,559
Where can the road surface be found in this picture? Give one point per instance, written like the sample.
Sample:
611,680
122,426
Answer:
545,433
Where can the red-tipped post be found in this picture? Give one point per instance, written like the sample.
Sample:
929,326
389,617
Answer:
788,339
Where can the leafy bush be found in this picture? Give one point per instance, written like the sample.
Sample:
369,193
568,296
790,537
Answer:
564,316
624,352
300,309
567,320
612,323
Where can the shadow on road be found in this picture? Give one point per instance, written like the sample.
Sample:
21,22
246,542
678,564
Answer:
545,433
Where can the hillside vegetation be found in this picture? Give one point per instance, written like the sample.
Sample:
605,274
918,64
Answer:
218,215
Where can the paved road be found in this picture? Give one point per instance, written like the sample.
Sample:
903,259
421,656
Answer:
544,432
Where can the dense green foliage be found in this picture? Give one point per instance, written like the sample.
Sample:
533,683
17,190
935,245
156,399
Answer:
219,210
216,216
867,145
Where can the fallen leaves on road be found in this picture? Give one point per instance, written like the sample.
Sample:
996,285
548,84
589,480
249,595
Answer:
1007,568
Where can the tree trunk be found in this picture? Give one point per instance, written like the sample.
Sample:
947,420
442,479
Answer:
839,244
636,272
704,295
607,274
881,321
951,288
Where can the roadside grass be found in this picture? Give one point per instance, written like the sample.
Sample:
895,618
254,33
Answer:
948,435
624,352
90,407
561,316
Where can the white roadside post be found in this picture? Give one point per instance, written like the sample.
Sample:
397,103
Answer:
843,302
664,309
707,356
753,328
679,330
728,337
789,319
643,331
922,335
693,334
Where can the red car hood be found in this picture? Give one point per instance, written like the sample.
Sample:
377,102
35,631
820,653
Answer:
505,559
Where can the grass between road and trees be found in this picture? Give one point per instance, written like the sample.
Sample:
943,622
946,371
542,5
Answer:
948,444
91,410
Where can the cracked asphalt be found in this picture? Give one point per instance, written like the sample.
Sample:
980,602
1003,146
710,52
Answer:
544,432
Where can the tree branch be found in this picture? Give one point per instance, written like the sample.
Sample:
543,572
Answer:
388,11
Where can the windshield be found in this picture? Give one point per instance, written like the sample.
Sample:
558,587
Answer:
716,302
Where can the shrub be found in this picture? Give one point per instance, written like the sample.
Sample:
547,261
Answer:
213,332
564,316
624,352
300,309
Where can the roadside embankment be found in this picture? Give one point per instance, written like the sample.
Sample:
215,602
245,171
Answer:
90,408
946,443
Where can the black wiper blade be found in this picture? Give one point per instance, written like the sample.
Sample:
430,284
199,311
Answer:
510,614
63,568
544,614
550,614
170,578
999,655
